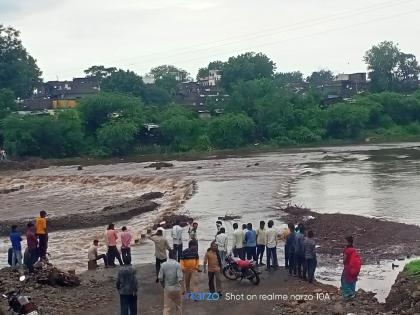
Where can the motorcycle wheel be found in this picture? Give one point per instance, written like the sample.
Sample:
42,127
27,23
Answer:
254,277
229,273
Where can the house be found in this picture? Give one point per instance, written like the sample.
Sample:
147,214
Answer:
61,94
344,86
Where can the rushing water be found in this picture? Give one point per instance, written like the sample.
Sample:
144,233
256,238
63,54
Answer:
372,180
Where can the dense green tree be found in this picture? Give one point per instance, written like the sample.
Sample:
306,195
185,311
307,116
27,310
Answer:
7,102
18,70
167,77
346,120
231,130
117,136
382,61
246,67
45,136
121,81
180,132
407,74
154,95
103,107
320,78
289,78
99,72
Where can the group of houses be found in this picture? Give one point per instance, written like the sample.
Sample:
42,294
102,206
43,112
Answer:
194,95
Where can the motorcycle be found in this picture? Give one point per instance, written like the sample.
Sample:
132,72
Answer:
238,269
20,304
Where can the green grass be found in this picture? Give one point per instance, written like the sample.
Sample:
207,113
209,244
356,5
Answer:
413,268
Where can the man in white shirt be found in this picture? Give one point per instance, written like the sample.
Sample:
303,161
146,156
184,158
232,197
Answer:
261,243
271,244
93,256
177,239
170,276
238,242
222,244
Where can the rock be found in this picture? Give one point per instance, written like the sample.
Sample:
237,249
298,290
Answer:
199,167
416,295
159,165
248,165
80,168
338,309
257,164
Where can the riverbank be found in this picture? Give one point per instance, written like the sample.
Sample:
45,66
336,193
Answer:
375,239
278,293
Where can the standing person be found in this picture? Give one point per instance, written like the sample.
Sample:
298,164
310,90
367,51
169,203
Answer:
93,256
170,277
310,256
238,242
244,230
290,243
193,232
125,245
127,287
189,265
261,242
271,243
285,234
251,243
16,240
213,265
177,239
300,251
161,245
161,227
190,225
42,234
32,247
222,244
352,264
218,226
111,237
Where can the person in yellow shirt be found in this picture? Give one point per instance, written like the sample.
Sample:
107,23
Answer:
42,234
189,265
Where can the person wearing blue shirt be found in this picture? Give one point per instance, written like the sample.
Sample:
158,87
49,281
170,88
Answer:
251,243
15,238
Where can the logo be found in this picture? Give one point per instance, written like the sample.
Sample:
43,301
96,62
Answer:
202,296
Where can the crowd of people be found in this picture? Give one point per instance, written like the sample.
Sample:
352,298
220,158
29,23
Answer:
36,240
177,268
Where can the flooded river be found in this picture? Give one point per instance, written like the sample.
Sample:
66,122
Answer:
371,180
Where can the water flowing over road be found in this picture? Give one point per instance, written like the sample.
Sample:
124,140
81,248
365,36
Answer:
371,180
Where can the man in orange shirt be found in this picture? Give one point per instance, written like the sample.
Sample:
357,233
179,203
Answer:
189,264
214,263
42,234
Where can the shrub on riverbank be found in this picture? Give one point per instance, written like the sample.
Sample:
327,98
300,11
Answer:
413,268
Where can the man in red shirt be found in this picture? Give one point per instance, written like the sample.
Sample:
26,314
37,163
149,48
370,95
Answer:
32,254
111,237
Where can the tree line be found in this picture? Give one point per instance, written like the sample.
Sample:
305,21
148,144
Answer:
262,107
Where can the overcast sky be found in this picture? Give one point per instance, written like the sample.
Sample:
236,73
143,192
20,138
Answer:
68,36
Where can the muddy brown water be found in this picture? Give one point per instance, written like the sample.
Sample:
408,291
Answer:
372,180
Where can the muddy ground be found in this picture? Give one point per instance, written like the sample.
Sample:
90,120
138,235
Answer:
97,295
375,239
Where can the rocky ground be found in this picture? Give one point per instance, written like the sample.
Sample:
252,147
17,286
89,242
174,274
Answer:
277,294
375,239
113,213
